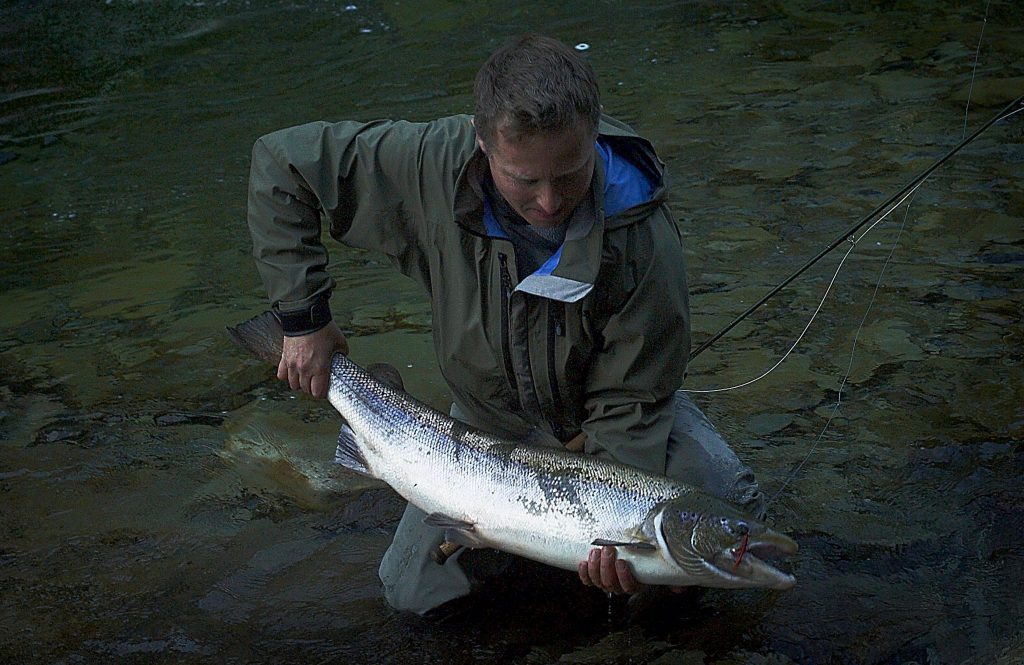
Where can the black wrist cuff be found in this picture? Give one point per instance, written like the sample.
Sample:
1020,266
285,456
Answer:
304,321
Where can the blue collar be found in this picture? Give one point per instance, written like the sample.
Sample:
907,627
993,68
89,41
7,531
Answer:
625,186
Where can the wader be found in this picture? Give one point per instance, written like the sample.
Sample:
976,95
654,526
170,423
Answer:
697,455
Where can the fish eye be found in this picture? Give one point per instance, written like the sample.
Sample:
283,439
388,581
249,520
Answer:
738,528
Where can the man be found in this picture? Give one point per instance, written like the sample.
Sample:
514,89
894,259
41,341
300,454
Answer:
540,232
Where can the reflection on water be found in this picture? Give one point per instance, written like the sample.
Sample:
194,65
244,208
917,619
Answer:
165,501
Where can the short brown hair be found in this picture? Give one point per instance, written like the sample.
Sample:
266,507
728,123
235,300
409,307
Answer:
534,84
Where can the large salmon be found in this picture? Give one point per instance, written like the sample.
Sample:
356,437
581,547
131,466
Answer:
546,504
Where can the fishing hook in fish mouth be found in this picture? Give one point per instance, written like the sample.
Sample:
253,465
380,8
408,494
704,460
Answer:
742,551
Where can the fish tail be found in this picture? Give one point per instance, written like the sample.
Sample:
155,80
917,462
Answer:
261,335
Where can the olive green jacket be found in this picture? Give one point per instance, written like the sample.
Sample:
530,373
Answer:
597,340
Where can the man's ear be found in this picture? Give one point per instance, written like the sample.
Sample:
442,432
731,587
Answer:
479,141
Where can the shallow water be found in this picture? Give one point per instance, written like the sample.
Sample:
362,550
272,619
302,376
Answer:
165,501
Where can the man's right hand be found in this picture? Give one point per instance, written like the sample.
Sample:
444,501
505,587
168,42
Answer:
306,360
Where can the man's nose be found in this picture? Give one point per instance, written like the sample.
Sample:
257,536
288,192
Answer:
548,199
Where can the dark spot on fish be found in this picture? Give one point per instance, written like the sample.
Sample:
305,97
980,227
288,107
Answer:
533,507
558,490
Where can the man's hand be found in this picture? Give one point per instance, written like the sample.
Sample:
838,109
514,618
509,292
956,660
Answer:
306,360
603,570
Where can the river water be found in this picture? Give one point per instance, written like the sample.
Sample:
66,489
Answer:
165,500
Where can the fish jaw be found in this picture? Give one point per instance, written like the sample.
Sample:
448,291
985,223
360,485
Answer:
741,561
718,547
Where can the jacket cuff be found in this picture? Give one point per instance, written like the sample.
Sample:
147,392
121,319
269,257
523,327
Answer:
304,321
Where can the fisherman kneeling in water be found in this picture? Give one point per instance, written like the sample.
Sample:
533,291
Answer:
540,231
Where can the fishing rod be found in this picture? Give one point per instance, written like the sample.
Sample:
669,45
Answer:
1011,108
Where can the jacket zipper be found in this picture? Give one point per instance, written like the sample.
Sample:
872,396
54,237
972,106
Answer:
555,330
506,310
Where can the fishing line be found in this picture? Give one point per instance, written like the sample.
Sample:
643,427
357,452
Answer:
1006,113
1011,109
853,244
974,71
970,92
849,367
874,293
874,217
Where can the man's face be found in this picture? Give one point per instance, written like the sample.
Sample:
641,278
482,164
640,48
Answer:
543,176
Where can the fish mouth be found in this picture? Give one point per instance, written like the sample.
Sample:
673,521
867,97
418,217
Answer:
745,562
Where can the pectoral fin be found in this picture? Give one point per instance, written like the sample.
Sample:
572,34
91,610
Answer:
456,531
348,453
637,545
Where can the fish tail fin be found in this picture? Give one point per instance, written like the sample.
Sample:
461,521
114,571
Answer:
261,335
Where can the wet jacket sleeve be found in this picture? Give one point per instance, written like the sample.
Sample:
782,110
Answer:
645,348
369,182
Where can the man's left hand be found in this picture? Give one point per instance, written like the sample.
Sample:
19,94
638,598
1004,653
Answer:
603,570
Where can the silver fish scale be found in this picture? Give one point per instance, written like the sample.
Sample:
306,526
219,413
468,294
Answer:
543,503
